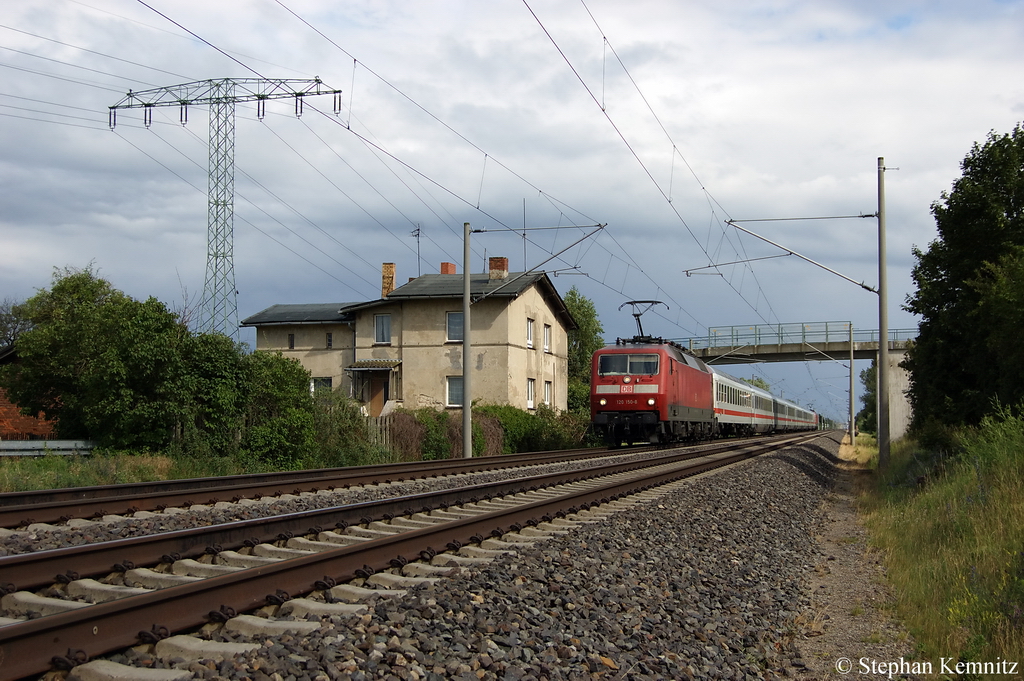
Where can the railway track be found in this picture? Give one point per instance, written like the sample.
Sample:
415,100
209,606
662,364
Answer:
20,509
150,588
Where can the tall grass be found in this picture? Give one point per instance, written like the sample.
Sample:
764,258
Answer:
105,468
950,524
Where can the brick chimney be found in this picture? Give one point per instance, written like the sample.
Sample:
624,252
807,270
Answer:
387,279
498,268
448,268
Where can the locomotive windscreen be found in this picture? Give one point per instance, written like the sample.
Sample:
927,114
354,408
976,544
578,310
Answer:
622,364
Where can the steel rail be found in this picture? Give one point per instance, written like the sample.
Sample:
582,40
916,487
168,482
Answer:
37,569
27,648
18,509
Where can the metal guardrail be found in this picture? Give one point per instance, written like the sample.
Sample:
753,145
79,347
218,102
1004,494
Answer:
781,334
44,447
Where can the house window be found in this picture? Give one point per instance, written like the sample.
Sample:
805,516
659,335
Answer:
291,341
330,340
547,338
381,328
547,393
320,384
529,333
531,389
454,327
454,397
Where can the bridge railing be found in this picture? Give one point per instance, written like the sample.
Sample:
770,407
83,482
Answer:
781,334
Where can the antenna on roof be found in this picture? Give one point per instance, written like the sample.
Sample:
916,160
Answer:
416,233
646,305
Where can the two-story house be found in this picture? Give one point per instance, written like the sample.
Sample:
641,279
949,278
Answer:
405,349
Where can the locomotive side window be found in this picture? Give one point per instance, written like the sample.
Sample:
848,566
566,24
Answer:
633,365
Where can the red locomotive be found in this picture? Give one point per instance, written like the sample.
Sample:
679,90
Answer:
648,389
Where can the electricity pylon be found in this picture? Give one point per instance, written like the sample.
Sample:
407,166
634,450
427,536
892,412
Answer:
219,308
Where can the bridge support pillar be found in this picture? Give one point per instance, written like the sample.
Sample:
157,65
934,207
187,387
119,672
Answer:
899,404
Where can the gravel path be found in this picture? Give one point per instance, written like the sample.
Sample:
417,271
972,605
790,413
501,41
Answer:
708,582
851,613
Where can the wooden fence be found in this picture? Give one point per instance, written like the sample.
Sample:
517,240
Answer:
380,430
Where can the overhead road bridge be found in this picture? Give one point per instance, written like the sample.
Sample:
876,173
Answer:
810,342
800,342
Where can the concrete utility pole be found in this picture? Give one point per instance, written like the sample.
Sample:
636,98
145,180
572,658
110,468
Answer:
219,308
883,329
467,374
853,428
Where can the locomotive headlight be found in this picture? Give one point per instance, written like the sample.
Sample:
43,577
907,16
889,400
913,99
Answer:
626,379
650,401
602,401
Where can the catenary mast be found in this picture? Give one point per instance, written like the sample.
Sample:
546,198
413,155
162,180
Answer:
219,308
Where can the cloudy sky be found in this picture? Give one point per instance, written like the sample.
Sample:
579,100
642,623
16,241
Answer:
659,119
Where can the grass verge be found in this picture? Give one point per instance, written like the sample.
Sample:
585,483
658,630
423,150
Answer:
57,472
19,474
949,524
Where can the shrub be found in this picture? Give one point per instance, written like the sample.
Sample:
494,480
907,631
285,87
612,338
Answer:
340,432
435,443
542,430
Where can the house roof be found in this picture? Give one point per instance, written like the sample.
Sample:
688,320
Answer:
305,313
450,285
480,285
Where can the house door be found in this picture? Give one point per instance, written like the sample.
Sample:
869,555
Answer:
378,394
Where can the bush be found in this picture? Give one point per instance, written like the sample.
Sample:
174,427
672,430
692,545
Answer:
435,443
340,432
539,431
279,426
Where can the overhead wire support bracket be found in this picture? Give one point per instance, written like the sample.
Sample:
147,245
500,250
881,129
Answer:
537,229
690,271
804,257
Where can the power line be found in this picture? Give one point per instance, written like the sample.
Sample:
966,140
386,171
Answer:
636,155
83,49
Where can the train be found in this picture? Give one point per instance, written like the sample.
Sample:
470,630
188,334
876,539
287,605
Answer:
647,389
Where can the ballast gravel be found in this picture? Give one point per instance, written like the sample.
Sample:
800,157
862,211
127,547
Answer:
703,583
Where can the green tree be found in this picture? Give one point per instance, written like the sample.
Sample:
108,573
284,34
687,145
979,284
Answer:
213,386
867,417
955,365
12,323
279,426
99,363
757,382
584,341
1000,313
